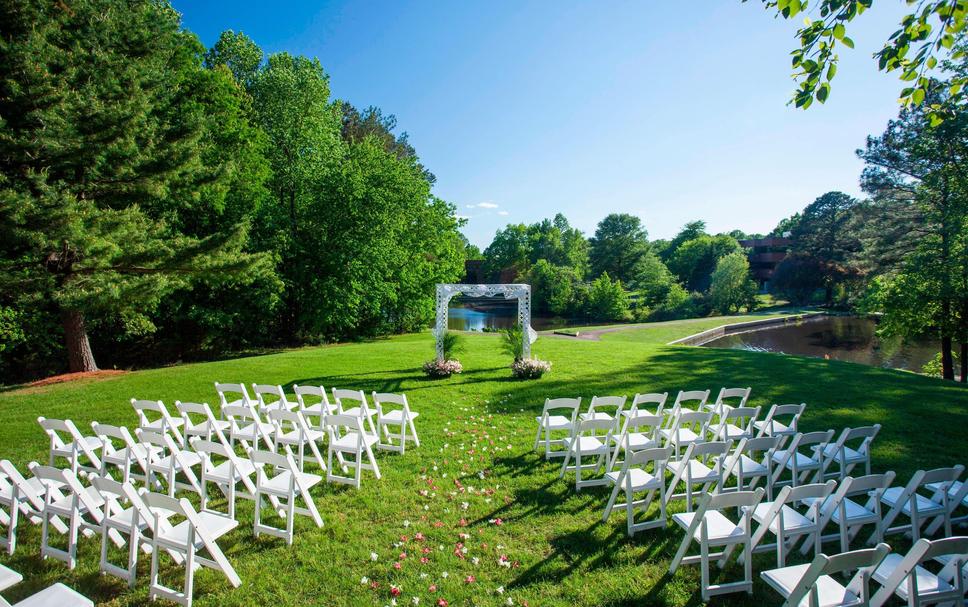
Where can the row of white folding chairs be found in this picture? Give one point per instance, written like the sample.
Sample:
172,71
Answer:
55,595
121,515
389,410
712,528
719,420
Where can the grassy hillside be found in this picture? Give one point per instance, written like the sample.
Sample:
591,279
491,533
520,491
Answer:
475,473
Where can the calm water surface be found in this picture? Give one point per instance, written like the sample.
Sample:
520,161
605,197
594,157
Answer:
847,338
462,318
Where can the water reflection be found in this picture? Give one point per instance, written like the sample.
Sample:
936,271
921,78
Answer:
486,314
839,337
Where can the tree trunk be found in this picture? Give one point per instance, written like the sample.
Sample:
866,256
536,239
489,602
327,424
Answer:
79,355
964,362
947,364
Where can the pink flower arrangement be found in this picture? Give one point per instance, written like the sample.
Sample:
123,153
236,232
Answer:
442,368
530,368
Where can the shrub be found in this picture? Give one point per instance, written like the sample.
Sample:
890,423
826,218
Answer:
530,368
453,344
442,368
512,342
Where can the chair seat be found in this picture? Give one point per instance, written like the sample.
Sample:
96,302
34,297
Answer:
91,442
66,503
124,519
683,436
215,524
640,479
251,432
159,424
555,422
348,442
597,416
6,493
279,484
57,595
222,472
925,506
856,514
636,441
278,406
8,578
804,462
162,465
849,456
927,582
294,437
792,520
749,467
588,445
776,428
396,416
698,471
733,432
140,451
953,489
320,408
357,412
205,428
829,591
719,528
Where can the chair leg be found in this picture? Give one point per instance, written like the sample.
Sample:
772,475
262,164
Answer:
611,501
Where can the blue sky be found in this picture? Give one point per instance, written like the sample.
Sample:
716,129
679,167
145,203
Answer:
526,109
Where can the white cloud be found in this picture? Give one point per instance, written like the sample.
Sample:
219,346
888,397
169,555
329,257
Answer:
502,213
487,205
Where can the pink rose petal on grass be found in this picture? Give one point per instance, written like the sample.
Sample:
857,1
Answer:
470,579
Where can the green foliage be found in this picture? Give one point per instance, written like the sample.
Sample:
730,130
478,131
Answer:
517,247
607,300
512,342
690,231
731,287
452,343
694,260
619,243
797,278
926,34
553,288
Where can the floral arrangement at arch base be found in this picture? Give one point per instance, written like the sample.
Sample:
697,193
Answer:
512,342
452,344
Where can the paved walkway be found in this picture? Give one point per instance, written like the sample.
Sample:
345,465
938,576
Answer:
596,333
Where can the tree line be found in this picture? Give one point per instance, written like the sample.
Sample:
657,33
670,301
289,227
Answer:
163,201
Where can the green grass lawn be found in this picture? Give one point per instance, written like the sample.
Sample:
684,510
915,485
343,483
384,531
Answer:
475,472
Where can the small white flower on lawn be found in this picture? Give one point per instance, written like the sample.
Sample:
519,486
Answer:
500,589
364,580
374,556
406,524
444,574
415,600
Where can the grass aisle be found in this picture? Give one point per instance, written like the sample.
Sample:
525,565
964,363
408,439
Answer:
474,517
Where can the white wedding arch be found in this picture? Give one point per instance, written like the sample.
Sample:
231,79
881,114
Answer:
446,292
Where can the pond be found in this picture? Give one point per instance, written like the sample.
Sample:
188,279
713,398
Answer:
495,314
849,338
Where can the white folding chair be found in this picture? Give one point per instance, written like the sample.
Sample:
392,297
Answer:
852,447
22,497
912,582
199,421
687,427
750,462
585,442
647,404
66,498
850,515
700,467
193,532
774,425
314,403
165,423
634,478
271,398
605,408
723,400
121,514
292,430
345,400
781,518
125,454
558,415
169,460
389,416
712,529
954,489
56,595
639,431
248,427
233,395
802,457
734,424
690,401
277,476
221,465
813,584
920,508
347,437
67,442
